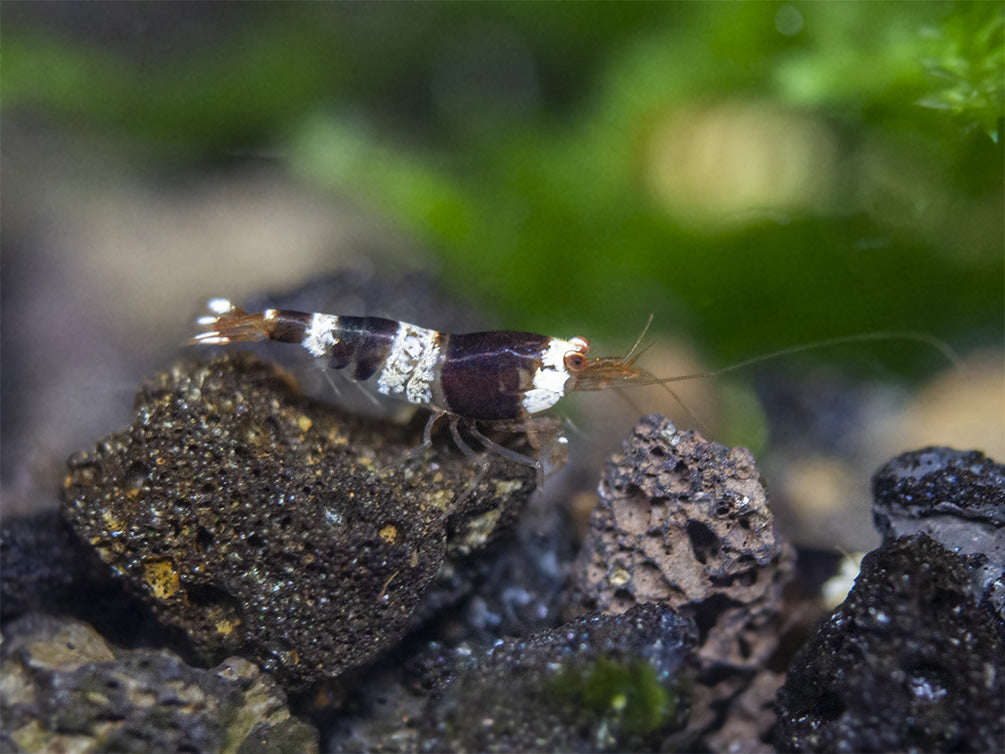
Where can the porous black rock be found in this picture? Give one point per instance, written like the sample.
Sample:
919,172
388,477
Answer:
598,683
920,487
65,689
956,497
270,525
911,661
513,588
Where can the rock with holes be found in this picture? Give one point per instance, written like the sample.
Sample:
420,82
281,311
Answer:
264,523
685,522
911,661
65,689
956,497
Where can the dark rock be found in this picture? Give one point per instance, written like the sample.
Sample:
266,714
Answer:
45,568
685,522
912,661
42,564
65,689
955,497
935,481
263,523
515,587
599,683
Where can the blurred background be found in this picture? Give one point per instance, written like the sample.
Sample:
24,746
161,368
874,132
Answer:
754,175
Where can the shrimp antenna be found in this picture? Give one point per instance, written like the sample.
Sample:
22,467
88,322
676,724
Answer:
940,345
629,356
633,355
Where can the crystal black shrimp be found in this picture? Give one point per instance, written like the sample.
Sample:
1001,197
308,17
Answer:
503,379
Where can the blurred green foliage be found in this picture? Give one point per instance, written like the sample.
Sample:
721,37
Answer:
755,174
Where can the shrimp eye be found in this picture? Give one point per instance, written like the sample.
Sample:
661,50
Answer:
575,361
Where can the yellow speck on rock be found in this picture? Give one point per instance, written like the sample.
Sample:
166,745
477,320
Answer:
162,578
110,521
389,533
619,576
506,488
442,500
225,627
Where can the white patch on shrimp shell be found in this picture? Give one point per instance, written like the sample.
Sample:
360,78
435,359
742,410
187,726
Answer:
320,335
411,367
220,306
550,378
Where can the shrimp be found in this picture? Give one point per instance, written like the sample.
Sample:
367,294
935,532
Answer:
505,379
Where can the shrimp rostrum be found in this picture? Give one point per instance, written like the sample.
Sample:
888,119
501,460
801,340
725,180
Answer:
500,379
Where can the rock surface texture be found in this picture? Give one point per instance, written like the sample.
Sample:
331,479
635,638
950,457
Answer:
685,522
914,658
956,497
65,689
263,523
912,661
597,683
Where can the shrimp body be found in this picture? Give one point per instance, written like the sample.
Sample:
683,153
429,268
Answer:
499,375
506,379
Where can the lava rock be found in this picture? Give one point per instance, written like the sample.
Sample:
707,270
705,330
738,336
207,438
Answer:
685,522
515,587
911,661
599,683
65,689
45,568
956,497
263,523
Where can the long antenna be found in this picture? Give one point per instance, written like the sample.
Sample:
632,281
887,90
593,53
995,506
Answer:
940,345
628,356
